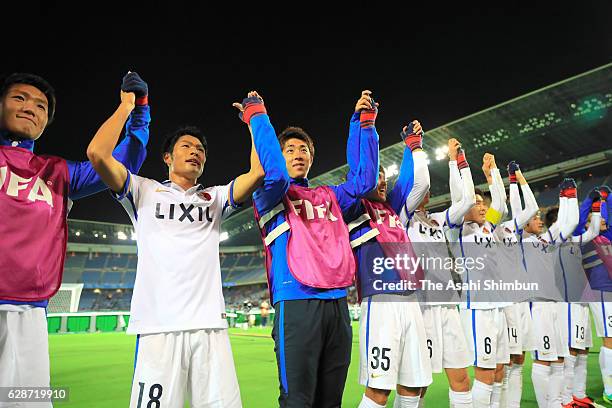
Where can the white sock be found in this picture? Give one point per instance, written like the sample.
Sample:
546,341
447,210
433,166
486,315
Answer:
555,385
568,379
606,368
460,399
503,401
403,401
481,394
515,386
580,376
368,403
540,376
605,356
496,395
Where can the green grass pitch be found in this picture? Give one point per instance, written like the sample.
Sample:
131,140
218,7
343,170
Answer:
97,369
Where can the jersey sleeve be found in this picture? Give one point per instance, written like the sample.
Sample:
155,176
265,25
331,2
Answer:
130,196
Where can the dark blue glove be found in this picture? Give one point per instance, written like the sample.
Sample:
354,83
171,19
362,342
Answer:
132,82
513,167
604,191
568,188
252,106
411,139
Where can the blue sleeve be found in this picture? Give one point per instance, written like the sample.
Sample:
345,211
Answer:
364,179
606,208
352,144
276,179
405,181
585,210
131,152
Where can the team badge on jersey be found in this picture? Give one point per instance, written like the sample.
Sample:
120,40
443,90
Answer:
204,196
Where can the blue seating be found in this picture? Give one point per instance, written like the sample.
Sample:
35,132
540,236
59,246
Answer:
117,261
112,280
96,261
91,279
128,279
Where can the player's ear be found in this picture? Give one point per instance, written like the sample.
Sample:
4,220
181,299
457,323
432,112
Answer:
168,159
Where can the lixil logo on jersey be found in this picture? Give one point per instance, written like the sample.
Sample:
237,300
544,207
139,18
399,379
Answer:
187,213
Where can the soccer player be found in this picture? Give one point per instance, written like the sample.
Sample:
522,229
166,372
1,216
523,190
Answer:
392,341
484,322
446,340
309,260
575,281
540,256
177,308
36,193
597,262
517,314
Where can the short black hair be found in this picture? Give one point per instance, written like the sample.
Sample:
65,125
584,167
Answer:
173,137
479,192
294,132
37,82
551,216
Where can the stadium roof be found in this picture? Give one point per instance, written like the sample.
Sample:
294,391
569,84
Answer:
562,121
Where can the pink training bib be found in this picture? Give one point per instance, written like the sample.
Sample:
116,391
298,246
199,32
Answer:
318,250
33,230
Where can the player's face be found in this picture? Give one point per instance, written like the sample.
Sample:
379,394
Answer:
380,192
188,157
478,211
535,224
297,158
23,111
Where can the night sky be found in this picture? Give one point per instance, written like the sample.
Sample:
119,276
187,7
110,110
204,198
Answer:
310,67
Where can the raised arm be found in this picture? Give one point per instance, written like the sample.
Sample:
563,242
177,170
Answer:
413,182
269,154
131,151
521,215
496,210
100,149
459,208
362,179
567,220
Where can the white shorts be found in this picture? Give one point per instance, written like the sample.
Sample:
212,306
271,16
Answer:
445,337
392,343
548,338
24,352
602,317
487,336
578,327
198,363
515,328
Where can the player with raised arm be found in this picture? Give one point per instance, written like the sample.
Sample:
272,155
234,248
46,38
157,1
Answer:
36,193
307,276
428,232
540,256
575,284
597,263
484,323
177,308
393,349
517,314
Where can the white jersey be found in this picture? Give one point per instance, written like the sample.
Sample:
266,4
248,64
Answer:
178,278
541,255
427,232
478,247
510,258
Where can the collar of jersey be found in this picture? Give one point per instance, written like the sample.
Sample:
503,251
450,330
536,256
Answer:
5,140
169,183
300,181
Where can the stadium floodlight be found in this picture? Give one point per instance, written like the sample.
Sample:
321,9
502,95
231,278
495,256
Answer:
133,236
441,152
121,236
224,236
96,235
391,170
78,233
104,236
